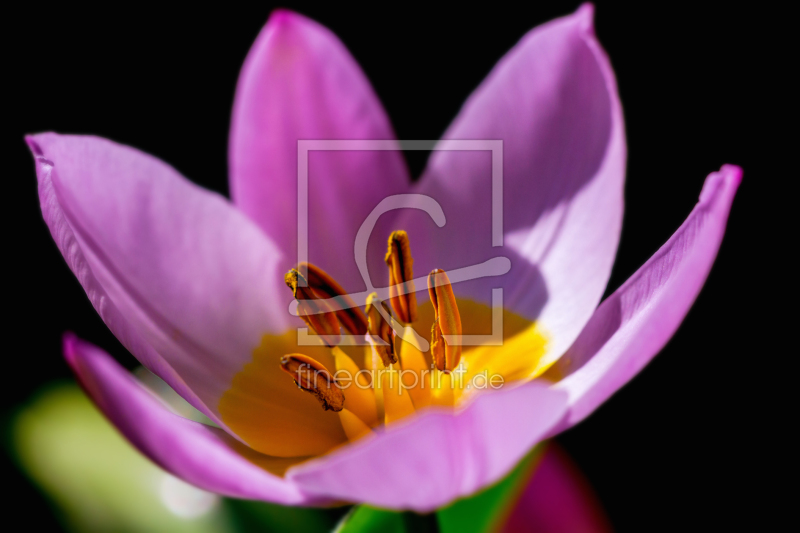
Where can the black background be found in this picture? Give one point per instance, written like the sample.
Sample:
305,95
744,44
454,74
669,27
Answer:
690,443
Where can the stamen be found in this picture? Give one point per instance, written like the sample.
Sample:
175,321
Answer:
320,318
446,321
400,263
380,329
324,286
312,376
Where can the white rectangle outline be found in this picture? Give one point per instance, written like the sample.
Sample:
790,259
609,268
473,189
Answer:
304,146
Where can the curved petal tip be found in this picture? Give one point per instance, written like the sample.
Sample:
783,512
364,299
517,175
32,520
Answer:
34,147
68,343
633,324
282,17
729,176
287,24
585,15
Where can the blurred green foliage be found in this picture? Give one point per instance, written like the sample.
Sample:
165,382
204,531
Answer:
98,482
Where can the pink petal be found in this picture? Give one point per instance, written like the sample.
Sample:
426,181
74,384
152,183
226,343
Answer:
635,322
183,279
201,455
557,499
553,102
437,456
299,82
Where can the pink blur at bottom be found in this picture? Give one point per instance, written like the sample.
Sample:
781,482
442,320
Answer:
558,499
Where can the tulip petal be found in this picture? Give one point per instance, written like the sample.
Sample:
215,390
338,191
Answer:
299,82
634,323
185,281
553,102
201,455
70,249
557,499
437,456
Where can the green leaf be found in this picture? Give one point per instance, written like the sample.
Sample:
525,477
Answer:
487,510
364,518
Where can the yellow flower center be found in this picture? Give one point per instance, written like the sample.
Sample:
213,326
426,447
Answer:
337,392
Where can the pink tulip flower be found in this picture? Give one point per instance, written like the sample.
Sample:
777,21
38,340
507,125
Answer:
193,284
